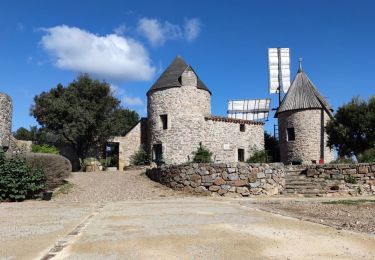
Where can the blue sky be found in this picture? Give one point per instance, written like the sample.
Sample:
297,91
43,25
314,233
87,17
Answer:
129,43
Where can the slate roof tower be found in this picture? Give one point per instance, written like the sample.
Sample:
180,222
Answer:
302,117
176,106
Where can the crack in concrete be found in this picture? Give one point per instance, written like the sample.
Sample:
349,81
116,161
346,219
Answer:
71,237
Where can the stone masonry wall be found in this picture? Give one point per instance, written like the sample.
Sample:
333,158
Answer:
309,133
131,143
222,179
265,179
188,110
339,178
5,120
224,139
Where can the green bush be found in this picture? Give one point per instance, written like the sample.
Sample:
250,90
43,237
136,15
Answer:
367,156
259,156
350,179
44,148
343,160
18,180
202,155
139,158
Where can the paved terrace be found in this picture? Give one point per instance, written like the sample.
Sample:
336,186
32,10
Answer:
127,216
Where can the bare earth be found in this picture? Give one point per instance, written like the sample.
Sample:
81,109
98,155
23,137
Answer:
351,213
127,216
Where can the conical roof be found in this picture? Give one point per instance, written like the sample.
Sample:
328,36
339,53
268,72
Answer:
302,94
170,78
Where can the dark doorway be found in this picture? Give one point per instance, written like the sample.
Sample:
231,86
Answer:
111,153
241,155
158,153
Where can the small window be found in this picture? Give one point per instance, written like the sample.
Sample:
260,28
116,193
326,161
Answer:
291,136
242,127
241,155
164,121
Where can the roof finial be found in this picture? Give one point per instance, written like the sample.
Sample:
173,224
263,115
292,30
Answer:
300,65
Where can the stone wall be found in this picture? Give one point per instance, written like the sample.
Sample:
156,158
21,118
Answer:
190,123
338,178
310,138
5,120
19,146
131,143
185,108
222,179
223,138
267,179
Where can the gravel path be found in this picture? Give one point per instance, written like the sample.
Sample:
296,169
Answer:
99,187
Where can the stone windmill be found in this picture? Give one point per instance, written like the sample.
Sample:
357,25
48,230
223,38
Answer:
302,117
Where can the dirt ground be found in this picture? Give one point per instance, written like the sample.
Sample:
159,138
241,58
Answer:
352,213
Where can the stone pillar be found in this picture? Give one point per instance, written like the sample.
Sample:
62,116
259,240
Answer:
5,120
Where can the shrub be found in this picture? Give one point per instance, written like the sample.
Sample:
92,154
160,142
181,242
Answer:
139,158
350,179
202,155
56,167
367,156
44,148
343,160
18,180
259,156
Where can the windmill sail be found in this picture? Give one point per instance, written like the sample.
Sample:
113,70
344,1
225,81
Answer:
253,109
279,69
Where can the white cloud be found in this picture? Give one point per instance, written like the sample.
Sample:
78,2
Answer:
157,32
111,57
126,100
116,91
121,29
192,29
132,101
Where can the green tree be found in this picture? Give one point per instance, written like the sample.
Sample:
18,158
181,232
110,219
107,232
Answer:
22,134
37,135
202,155
123,120
352,131
272,147
83,113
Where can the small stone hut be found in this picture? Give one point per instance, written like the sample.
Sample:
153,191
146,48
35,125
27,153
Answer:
302,117
179,119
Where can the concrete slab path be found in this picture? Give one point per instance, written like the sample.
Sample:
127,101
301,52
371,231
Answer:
183,228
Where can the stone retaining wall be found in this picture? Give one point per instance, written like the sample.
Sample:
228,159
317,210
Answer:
223,179
267,179
339,178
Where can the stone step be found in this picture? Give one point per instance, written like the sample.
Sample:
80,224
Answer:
296,181
305,192
295,177
303,188
293,173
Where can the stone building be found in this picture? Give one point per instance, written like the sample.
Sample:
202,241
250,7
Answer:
302,117
5,120
179,119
